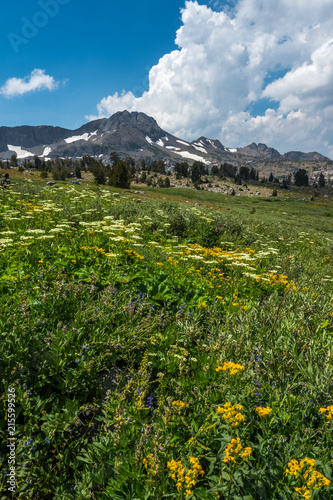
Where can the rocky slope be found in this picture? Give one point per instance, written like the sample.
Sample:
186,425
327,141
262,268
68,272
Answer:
134,134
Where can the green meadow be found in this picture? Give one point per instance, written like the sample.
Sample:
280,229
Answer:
167,343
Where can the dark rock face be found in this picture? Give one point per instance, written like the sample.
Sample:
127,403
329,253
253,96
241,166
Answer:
139,122
28,137
3,143
132,129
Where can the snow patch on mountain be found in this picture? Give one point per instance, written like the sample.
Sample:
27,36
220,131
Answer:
183,142
160,143
46,151
191,156
20,153
148,139
83,137
198,146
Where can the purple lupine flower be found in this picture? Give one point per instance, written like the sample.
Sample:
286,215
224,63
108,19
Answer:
150,402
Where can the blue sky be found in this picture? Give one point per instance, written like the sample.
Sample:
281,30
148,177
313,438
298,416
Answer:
237,70
91,48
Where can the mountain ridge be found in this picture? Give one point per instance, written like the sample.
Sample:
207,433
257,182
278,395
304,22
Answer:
130,133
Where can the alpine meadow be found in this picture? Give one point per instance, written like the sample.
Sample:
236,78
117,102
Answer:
166,250
163,349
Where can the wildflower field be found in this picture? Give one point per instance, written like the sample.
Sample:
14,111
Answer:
163,350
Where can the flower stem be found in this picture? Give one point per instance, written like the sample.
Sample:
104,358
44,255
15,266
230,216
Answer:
231,478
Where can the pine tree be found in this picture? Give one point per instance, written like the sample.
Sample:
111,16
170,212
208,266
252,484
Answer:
98,171
301,177
143,177
38,162
119,173
13,160
321,180
197,170
184,168
78,172
215,170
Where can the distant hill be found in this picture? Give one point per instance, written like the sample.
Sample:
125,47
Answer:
299,156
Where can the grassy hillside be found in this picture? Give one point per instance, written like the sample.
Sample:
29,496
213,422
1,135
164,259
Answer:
157,348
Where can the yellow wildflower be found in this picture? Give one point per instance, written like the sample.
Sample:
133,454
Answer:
148,462
235,452
263,412
187,480
293,468
317,480
177,472
231,368
231,414
180,404
304,492
310,479
329,411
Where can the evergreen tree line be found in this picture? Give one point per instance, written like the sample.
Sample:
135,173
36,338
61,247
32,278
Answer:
120,172
300,178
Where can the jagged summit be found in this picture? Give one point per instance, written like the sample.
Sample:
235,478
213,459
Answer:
212,145
259,149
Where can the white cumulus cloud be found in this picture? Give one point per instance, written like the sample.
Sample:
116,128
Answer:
272,57
37,80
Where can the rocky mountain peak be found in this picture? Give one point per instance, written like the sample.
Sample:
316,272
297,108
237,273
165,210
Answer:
259,149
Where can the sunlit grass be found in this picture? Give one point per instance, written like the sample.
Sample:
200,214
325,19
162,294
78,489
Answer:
164,350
